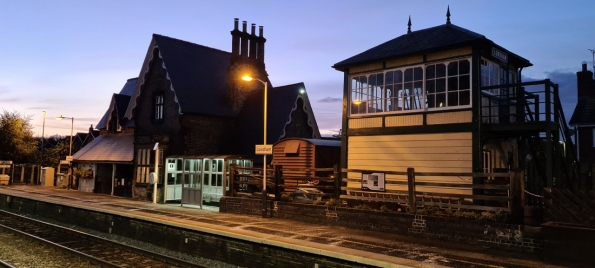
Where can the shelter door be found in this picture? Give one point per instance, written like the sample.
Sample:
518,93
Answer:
173,183
192,186
212,180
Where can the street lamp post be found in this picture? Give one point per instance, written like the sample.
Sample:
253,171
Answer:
264,156
70,152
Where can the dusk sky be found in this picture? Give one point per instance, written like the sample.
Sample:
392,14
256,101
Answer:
68,57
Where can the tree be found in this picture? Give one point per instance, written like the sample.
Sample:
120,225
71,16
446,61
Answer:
56,148
16,138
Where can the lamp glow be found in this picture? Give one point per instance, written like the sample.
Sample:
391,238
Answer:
247,78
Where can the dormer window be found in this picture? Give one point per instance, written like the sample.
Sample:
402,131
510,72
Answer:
158,107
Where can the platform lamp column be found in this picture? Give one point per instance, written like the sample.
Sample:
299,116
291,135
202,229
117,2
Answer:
156,176
70,150
264,156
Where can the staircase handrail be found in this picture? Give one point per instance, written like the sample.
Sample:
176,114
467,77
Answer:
566,136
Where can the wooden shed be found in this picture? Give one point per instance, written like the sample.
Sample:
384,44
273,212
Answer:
300,153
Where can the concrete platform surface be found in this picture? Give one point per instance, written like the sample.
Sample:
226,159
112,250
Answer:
371,248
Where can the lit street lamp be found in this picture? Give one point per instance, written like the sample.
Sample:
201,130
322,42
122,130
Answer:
70,153
264,156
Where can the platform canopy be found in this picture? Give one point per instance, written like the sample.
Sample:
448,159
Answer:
108,148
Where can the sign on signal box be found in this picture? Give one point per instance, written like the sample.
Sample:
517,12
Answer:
262,149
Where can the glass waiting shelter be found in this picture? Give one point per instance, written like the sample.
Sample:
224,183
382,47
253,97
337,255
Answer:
199,179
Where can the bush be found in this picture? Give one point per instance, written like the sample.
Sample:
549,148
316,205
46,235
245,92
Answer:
383,208
333,203
286,198
319,202
363,207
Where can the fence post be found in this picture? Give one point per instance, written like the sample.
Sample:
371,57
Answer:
337,181
411,187
278,175
232,180
515,204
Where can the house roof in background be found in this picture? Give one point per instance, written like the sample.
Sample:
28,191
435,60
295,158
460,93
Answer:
439,37
108,148
583,112
282,101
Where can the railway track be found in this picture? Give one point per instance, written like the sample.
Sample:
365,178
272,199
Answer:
103,252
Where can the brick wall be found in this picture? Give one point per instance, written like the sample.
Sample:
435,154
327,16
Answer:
205,135
500,235
299,127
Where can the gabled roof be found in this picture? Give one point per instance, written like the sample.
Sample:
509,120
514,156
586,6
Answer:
441,37
584,112
108,148
282,101
120,102
198,76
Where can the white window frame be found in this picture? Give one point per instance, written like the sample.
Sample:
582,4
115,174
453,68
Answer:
367,95
159,107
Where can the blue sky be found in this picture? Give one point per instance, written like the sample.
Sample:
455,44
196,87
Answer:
67,57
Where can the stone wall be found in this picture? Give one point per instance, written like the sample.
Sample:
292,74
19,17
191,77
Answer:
492,234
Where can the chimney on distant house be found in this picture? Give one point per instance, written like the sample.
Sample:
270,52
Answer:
585,83
247,58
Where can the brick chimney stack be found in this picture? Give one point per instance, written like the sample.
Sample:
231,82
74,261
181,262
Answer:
261,41
244,40
253,42
585,83
235,38
247,57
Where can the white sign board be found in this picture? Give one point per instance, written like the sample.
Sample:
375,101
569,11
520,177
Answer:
264,149
373,182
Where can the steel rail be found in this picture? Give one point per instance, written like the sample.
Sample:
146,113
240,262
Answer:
91,239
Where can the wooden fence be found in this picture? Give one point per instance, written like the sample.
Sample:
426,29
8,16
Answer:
247,182
563,205
20,173
495,192
491,195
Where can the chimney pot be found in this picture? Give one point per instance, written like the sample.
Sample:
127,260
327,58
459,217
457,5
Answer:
235,23
253,32
260,31
584,66
244,26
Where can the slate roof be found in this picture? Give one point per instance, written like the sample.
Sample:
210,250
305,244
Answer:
281,102
431,39
584,112
198,75
128,88
108,148
121,101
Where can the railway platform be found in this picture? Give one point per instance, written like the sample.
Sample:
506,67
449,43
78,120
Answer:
369,248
